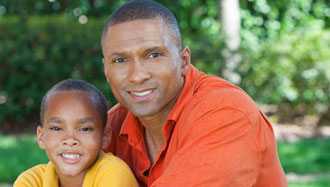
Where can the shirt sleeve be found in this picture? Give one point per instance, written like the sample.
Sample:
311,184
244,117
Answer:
222,142
116,174
30,178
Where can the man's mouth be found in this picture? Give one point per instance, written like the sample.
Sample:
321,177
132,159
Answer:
142,95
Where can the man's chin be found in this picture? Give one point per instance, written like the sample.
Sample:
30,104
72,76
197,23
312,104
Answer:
144,112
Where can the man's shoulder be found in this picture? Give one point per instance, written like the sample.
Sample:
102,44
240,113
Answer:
215,98
213,91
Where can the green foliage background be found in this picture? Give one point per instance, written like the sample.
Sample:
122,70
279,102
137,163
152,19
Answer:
285,48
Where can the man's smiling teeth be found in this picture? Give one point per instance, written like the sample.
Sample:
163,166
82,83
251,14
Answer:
71,156
141,94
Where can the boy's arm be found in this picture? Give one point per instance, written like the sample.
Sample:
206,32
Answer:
31,177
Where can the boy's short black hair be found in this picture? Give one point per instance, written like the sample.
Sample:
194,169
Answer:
95,95
144,9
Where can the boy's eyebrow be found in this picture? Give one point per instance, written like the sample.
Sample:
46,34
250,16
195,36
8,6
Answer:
54,120
87,120
117,54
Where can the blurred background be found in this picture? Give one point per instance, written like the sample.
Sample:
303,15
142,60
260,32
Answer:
277,51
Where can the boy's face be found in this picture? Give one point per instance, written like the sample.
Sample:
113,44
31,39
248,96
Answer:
71,133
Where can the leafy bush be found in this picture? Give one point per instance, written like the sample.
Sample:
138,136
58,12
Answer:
285,48
294,68
37,52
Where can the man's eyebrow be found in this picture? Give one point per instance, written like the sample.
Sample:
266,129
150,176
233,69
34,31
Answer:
155,48
145,50
149,49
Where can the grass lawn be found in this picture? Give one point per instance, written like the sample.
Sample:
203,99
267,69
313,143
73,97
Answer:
17,154
309,156
306,156
318,182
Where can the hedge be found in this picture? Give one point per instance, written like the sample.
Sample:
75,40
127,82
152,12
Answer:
37,52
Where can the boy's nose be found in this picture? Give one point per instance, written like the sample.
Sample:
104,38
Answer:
70,142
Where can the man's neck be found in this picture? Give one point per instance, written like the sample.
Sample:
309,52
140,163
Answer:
153,134
153,125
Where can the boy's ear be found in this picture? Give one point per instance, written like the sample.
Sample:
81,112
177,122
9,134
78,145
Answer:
40,134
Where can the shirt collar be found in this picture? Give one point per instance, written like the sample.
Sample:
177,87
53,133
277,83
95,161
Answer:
50,176
131,125
186,94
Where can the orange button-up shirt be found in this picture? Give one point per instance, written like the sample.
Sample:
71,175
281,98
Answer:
215,136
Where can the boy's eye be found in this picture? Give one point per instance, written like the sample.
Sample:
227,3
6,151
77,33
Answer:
86,129
118,60
55,128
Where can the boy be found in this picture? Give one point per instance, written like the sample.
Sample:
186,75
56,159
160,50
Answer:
73,115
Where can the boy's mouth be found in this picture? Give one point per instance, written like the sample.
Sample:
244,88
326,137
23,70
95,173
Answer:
70,158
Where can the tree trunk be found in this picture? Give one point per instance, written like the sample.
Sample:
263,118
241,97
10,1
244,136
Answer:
230,19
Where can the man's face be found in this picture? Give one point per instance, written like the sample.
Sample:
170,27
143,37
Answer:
144,66
71,133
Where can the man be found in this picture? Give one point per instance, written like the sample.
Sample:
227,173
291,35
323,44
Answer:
174,125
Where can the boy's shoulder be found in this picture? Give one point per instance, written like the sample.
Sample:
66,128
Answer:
31,177
108,162
109,170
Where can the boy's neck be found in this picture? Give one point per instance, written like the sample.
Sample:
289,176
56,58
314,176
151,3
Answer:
74,181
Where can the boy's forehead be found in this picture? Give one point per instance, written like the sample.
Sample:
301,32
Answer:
68,98
72,106
73,94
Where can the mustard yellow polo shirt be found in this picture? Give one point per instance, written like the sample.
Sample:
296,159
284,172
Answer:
108,171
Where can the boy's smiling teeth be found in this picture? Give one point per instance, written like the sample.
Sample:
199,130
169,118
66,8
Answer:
70,155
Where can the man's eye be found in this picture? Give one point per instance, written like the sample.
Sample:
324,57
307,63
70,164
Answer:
118,60
154,55
55,128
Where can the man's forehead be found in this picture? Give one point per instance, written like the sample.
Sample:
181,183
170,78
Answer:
144,32
142,28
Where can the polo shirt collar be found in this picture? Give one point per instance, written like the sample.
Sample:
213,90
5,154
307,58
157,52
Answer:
131,126
50,176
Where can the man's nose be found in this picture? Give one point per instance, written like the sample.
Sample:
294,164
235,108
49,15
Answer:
138,72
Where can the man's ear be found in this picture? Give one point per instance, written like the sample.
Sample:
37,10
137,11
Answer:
186,58
40,138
